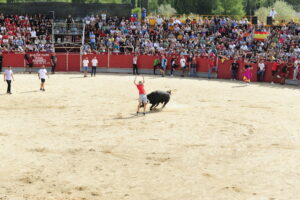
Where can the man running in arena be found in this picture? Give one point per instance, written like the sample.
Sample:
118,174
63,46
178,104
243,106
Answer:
142,95
42,73
8,77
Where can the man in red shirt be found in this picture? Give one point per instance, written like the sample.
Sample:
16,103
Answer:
142,95
274,70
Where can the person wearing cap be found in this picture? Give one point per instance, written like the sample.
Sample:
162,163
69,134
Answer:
8,77
142,95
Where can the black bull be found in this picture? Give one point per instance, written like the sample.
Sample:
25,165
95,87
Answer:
157,97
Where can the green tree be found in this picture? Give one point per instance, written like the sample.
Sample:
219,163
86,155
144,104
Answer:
284,11
229,7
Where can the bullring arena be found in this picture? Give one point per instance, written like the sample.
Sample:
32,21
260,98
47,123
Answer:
216,139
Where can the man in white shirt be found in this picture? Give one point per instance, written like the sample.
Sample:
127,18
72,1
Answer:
94,66
296,69
261,71
183,65
8,76
273,13
42,73
85,66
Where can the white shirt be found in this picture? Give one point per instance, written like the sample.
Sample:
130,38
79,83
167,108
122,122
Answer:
86,63
8,74
33,34
273,13
42,73
261,66
182,62
95,62
135,60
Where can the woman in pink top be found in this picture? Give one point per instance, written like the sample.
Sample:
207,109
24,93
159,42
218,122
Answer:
142,95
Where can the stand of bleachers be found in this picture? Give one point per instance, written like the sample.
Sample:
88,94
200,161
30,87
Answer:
68,37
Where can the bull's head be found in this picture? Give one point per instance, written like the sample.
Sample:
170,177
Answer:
169,91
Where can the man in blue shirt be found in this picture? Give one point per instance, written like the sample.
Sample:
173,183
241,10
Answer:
93,40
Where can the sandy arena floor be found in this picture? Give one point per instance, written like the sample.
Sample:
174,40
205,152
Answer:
216,140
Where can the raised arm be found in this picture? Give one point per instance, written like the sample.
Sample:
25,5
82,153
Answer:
143,79
134,82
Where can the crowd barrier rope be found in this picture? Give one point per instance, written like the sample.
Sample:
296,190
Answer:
71,62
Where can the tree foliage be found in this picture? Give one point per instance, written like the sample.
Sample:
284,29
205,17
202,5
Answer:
284,11
229,7
166,10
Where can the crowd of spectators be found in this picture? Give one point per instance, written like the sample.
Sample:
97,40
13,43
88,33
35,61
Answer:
20,33
158,35
218,35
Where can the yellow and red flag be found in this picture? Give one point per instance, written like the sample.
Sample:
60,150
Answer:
261,35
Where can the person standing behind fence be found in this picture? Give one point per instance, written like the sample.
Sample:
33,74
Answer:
53,63
234,70
296,69
8,77
183,65
247,72
29,62
94,66
261,71
194,66
85,63
173,65
135,66
274,70
213,65
42,73
163,66
156,64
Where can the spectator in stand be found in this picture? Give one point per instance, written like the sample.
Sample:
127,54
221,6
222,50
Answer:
261,71
85,63
93,40
135,66
8,77
53,63
69,21
94,66
234,70
273,13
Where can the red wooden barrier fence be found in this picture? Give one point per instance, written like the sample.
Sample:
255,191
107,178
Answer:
72,62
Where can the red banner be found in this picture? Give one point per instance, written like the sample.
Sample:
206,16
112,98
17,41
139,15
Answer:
40,59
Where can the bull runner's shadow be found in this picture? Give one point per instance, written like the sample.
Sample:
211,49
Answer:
133,116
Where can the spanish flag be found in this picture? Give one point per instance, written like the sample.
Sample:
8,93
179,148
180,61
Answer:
261,35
